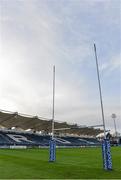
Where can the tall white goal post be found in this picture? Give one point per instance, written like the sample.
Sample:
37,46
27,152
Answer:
106,153
52,143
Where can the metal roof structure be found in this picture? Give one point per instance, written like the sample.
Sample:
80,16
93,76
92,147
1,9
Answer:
14,119
10,119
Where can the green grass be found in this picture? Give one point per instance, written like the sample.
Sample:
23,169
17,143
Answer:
81,163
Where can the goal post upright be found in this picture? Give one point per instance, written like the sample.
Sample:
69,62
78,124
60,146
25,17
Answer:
53,109
106,153
52,143
100,91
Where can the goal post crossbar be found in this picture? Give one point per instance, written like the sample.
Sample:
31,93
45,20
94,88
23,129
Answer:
79,127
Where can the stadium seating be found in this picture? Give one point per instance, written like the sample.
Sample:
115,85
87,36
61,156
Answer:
10,138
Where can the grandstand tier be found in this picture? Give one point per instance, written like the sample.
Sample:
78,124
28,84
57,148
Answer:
10,138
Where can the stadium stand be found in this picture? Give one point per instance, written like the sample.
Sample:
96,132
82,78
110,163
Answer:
12,138
24,130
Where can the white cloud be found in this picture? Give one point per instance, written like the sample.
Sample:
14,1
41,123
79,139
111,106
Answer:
112,65
35,36
26,68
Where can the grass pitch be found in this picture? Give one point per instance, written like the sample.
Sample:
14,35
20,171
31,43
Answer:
81,163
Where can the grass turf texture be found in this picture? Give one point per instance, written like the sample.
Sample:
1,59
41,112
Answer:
81,163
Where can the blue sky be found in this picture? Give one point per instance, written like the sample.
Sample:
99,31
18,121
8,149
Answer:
36,34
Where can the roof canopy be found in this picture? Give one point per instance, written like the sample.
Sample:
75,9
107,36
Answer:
22,121
13,119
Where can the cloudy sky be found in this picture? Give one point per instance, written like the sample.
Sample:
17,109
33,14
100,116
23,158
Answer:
37,34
